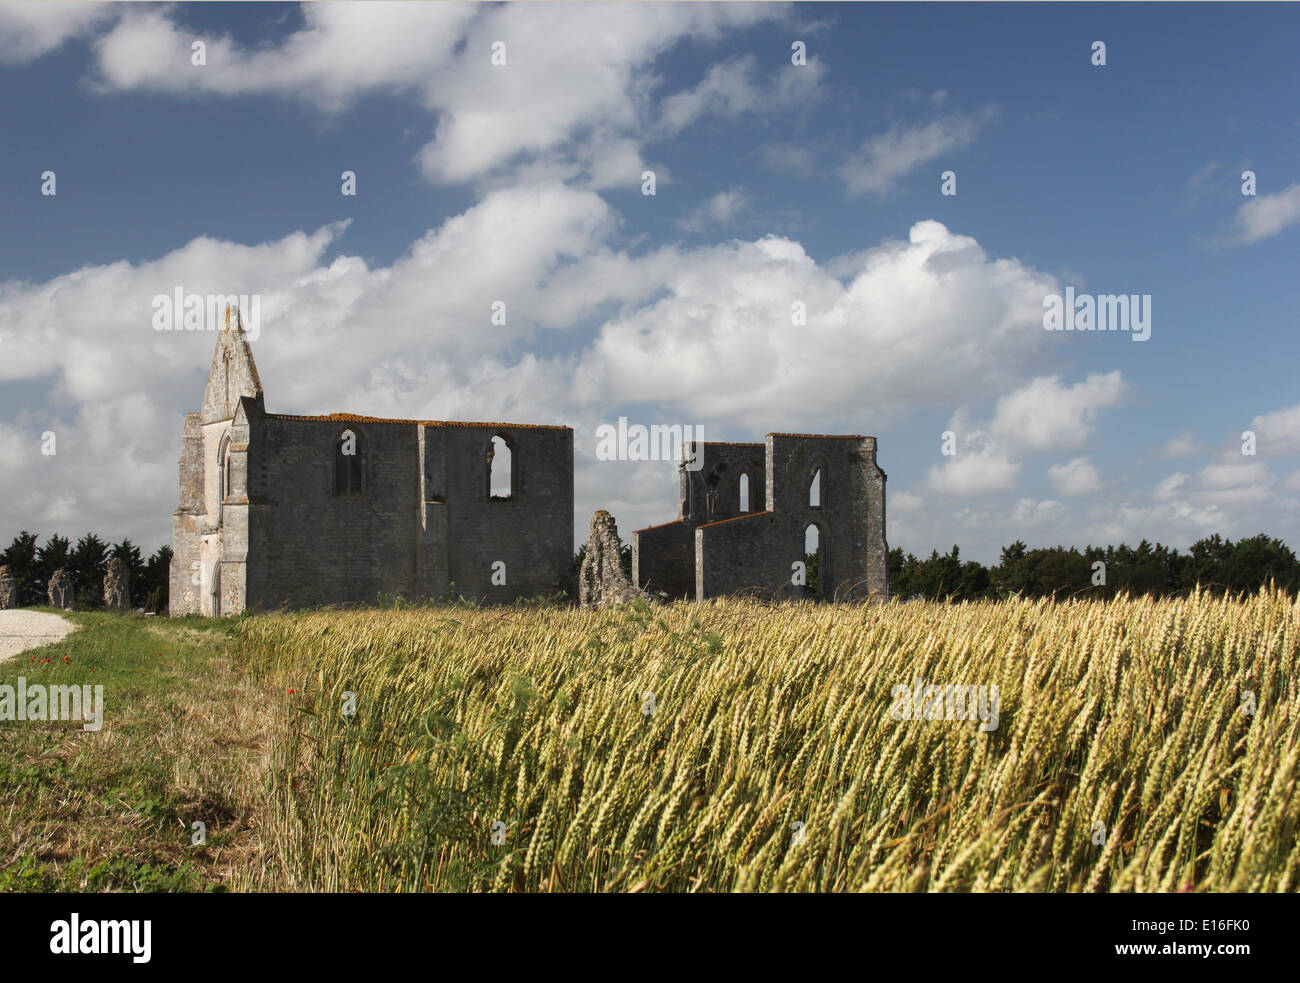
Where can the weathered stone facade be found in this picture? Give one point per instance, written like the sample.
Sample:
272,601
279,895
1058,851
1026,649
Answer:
297,511
117,586
719,545
8,590
602,581
60,591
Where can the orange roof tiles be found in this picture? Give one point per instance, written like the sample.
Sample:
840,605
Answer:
355,418
737,518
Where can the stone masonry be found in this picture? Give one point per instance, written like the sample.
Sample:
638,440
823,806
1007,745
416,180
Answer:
8,590
299,511
602,581
60,591
117,586
721,545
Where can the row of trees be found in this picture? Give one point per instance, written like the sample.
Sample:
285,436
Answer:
1158,570
31,566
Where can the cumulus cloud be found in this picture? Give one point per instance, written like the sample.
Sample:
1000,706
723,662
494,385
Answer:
919,321
1182,444
1047,416
1042,415
1264,216
29,30
691,335
579,105
1075,477
1277,432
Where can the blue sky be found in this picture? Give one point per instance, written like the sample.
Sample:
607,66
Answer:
775,182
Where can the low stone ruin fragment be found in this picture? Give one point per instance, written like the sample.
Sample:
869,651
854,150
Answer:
117,586
8,590
60,590
602,581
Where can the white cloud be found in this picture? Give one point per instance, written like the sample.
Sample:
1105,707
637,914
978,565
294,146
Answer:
925,320
578,105
1277,432
1041,415
1266,215
1075,477
978,472
1182,444
736,87
30,30
1171,487
701,335
1046,416
719,210
881,160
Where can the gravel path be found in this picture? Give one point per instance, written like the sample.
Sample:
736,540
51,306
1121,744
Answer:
22,630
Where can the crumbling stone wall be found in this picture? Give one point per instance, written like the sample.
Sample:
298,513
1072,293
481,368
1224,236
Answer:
663,557
756,552
60,591
117,586
8,590
261,523
602,581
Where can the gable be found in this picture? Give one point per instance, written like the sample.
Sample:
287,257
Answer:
233,373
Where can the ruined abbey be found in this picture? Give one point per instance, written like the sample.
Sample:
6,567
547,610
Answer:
303,511
750,514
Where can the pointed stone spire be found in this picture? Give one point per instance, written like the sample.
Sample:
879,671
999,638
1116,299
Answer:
233,373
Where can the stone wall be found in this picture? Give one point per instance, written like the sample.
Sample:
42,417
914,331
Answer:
117,586
601,581
60,591
424,527
716,550
663,559
8,590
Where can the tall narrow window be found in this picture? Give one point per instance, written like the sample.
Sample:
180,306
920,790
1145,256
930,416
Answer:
223,470
812,560
350,464
815,490
744,493
500,463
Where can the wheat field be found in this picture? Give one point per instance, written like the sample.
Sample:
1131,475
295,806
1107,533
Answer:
1140,745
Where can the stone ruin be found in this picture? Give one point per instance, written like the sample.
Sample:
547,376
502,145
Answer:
602,581
8,590
117,586
60,591
746,515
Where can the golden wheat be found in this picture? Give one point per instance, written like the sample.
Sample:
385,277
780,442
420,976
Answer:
1125,756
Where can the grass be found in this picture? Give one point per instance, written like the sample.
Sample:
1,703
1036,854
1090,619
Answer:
1141,745
112,810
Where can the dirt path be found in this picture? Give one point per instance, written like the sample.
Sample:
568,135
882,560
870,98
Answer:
22,630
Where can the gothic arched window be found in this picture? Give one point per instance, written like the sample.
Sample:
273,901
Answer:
223,470
500,470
